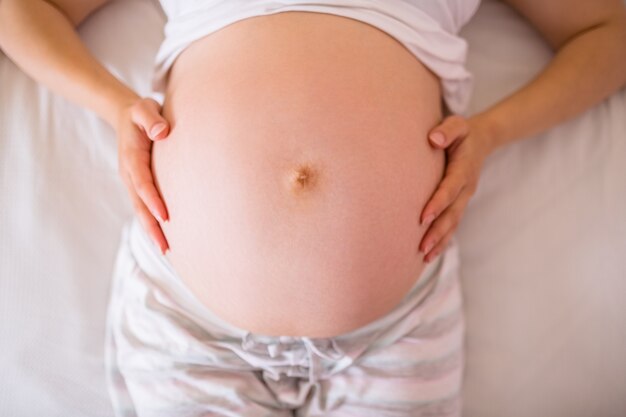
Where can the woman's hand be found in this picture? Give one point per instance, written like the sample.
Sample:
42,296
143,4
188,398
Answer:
137,126
467,145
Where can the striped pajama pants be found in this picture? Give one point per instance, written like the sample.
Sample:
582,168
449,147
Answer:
168,355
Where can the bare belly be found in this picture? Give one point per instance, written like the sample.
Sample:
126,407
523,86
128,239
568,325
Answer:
296,170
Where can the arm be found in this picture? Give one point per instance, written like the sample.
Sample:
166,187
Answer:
590,39
590,63
39,36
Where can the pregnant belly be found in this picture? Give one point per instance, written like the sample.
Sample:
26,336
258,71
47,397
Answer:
296,170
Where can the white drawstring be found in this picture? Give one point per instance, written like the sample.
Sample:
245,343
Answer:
314,355
288,352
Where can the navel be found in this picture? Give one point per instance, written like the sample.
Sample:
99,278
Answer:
303,178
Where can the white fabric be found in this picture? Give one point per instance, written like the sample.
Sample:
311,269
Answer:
543,248
62,208
426,28
542,243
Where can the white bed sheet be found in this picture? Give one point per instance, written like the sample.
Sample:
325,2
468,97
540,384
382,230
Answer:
543,241
544,248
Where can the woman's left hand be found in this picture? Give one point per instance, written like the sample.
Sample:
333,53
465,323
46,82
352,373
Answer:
466,144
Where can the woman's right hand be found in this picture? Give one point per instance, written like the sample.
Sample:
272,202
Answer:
137,126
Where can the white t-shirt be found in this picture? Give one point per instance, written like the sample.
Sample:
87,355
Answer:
427,28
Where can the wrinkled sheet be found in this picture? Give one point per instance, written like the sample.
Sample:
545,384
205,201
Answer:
543,243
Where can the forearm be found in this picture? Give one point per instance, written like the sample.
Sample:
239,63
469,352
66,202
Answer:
42,41
583,72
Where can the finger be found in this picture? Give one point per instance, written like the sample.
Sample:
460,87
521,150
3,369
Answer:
439,247
447,191
448,131
148,222
147,116
143,184
445,223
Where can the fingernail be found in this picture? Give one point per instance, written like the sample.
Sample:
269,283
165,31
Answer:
429,219
438,138
157,215
157,129
428,246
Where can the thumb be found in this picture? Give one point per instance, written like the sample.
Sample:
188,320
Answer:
446,133
146,114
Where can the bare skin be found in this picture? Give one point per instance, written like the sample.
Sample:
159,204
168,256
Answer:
295,180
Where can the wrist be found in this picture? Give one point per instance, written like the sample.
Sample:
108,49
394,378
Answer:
487,128
116,104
